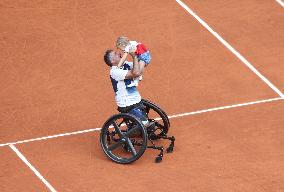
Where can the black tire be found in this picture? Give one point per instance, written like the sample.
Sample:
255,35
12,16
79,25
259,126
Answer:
123,138
164,127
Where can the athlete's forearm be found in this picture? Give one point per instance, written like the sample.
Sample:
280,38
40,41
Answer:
136,67
122,60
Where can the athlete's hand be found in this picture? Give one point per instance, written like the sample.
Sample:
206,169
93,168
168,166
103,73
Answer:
132,54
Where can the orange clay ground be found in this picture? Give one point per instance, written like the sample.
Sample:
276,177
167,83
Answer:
53,80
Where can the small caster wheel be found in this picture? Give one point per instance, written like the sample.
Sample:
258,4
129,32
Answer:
158,159
170,149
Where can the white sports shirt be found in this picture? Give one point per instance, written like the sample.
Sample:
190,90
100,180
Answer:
124,95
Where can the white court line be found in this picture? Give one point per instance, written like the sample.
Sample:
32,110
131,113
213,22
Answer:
226,44
280,2
226,107
22,157
171,117
51,137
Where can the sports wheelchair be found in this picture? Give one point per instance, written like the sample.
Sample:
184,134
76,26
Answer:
124,138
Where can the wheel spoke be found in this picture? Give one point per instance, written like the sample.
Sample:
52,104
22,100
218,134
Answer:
132,149
131,131
121,122
116,145
117,129
108,137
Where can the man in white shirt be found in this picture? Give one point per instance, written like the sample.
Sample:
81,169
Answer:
127,97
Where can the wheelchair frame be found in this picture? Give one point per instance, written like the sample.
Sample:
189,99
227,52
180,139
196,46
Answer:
124,138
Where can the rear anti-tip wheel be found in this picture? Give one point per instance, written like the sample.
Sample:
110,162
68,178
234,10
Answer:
123,138
170,149
158,159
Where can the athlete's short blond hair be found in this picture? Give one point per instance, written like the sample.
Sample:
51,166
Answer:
122,41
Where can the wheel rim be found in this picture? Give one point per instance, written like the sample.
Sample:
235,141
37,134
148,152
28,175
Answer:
123,138
152,111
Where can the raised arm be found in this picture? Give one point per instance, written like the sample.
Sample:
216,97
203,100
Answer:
135,71
122,60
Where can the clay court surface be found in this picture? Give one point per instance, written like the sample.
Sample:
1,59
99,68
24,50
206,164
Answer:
217,70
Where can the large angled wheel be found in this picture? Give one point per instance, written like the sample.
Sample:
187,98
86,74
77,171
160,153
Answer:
123,138
157,115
